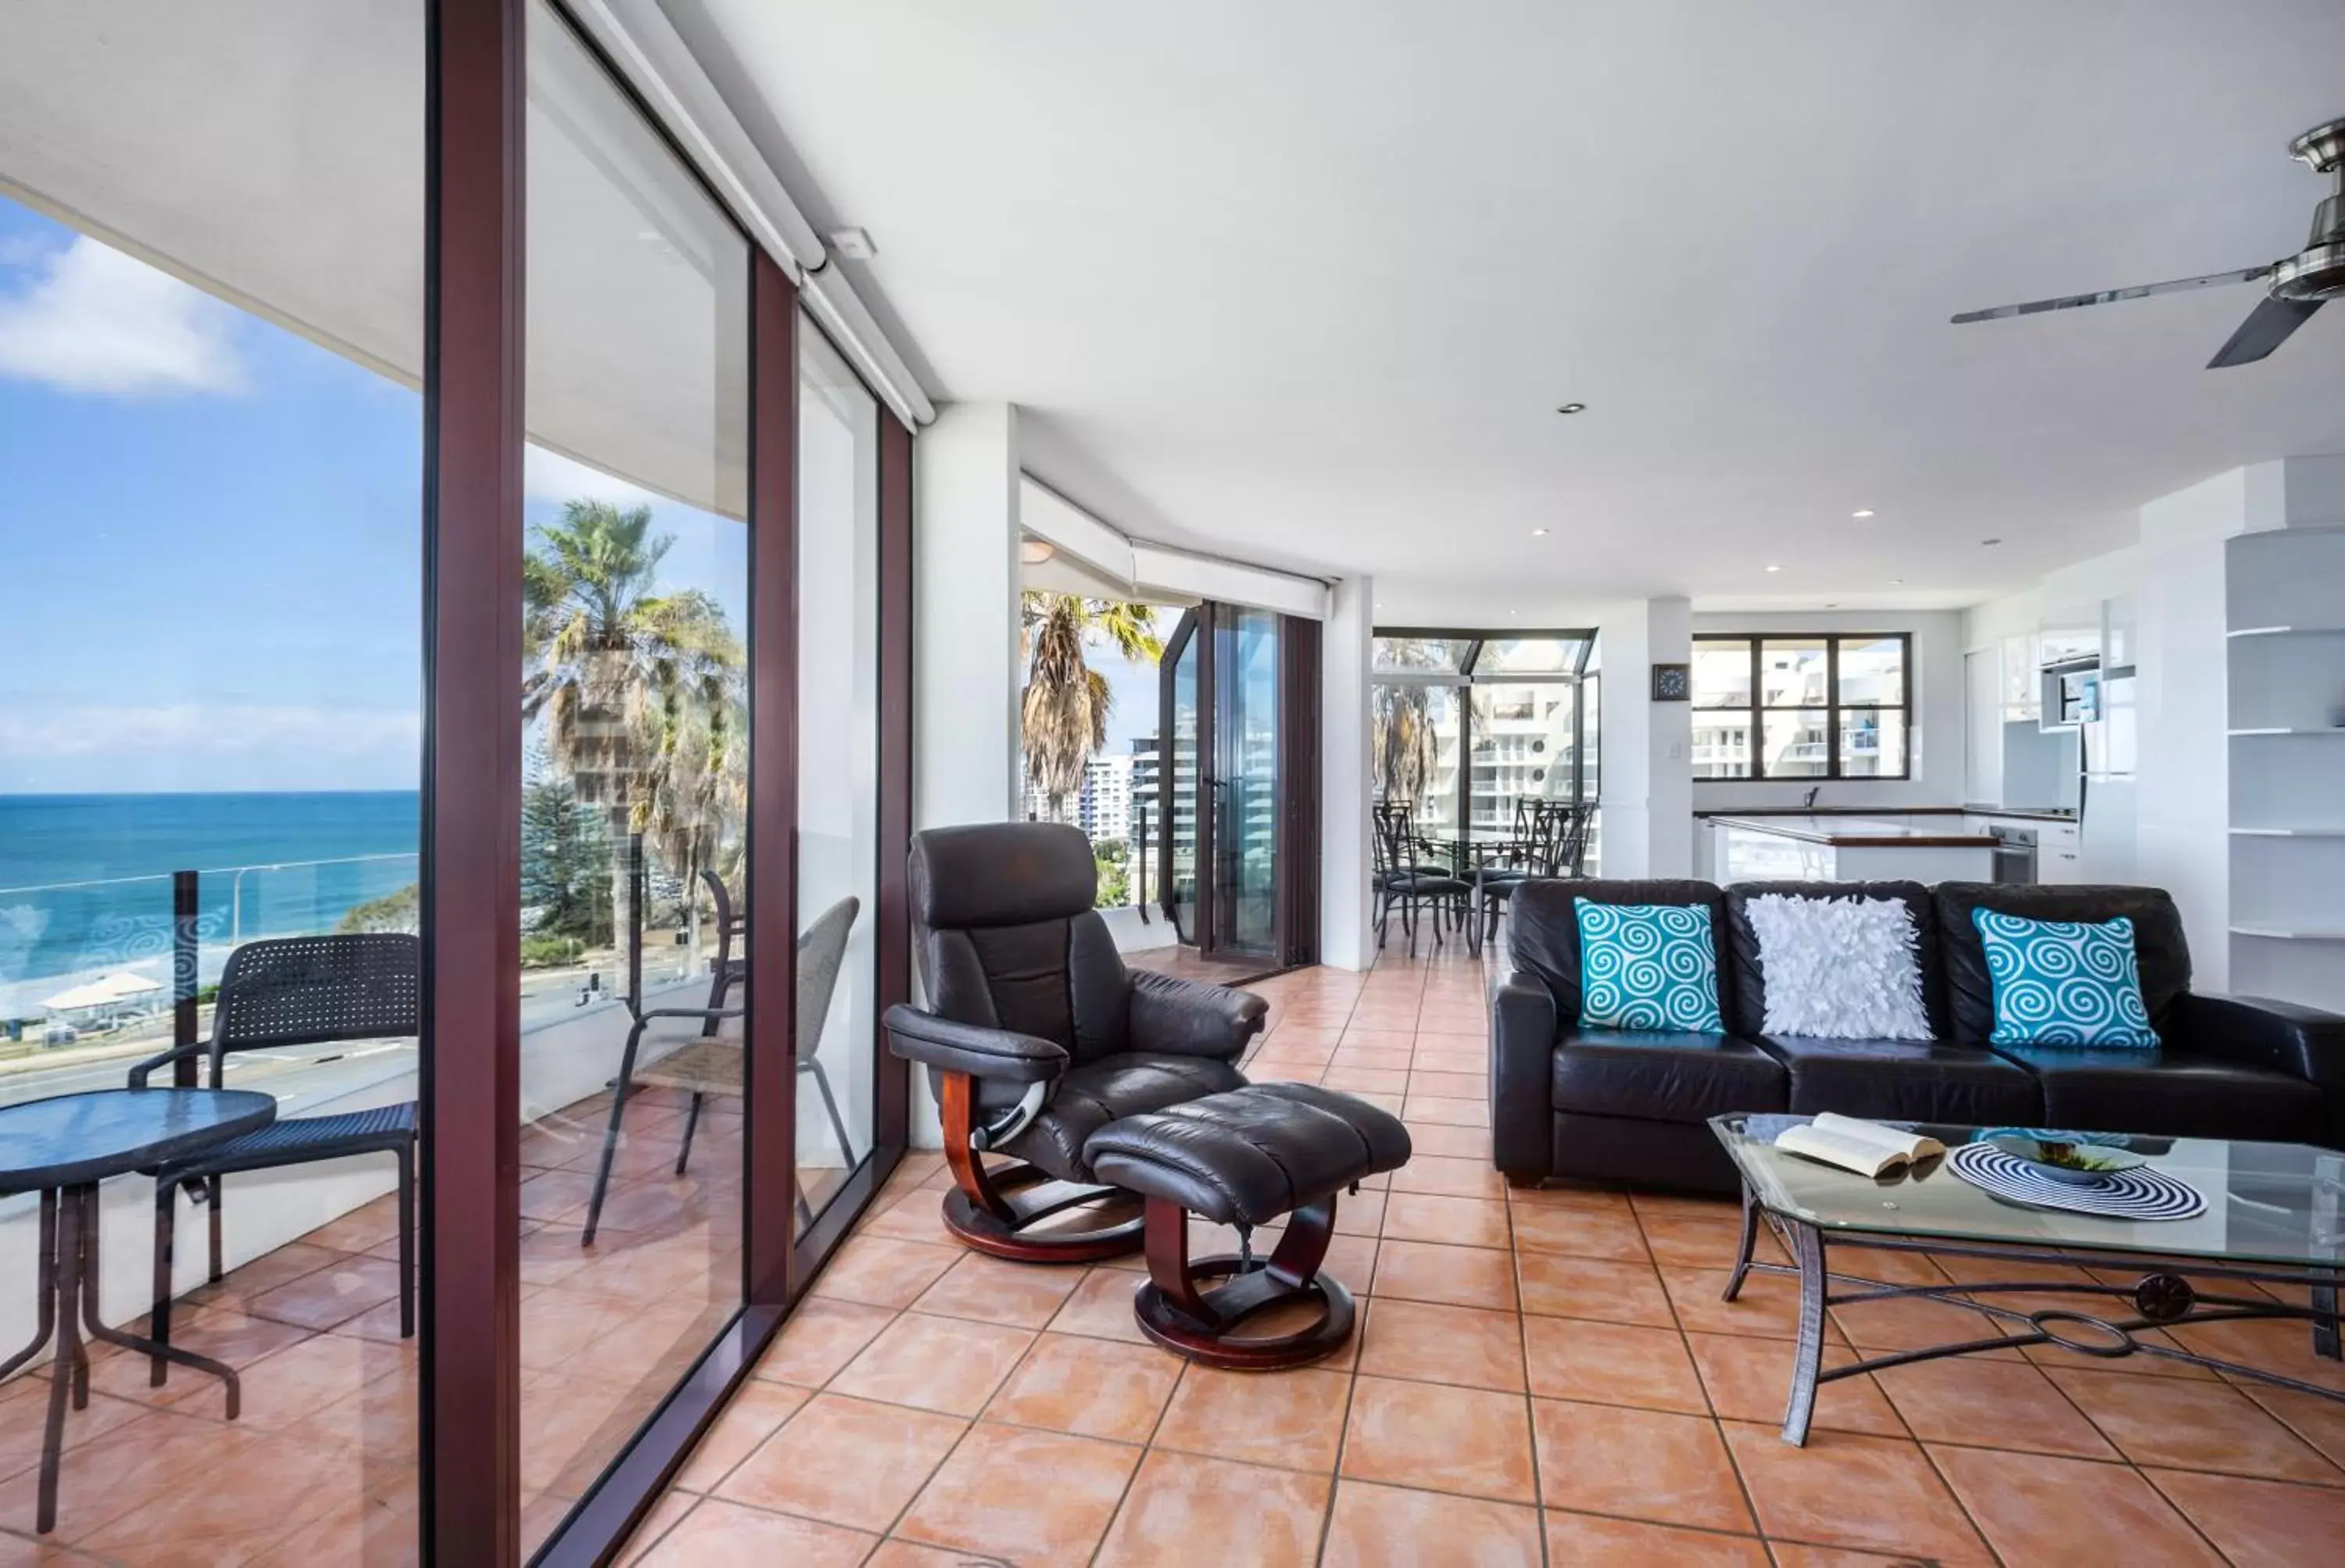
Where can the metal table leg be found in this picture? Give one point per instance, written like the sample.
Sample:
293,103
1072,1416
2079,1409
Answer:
69,1308
1749,1242
1808,1252
46,1272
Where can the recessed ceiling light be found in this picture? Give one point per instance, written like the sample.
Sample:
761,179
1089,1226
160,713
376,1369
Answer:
853,244
1538,533
1573,408
1862,512
1774,568
1896,582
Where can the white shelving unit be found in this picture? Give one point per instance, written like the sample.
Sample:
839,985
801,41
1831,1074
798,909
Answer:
2285,678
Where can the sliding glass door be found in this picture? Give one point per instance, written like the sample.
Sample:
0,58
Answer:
1236,853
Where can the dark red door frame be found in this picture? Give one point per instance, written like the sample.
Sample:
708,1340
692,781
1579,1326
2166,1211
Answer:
475,76
475,361
771,1176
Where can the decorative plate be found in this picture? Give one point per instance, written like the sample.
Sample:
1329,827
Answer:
2145,1193
2063,1159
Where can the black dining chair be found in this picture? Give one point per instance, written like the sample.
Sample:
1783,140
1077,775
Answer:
1402,879
274,995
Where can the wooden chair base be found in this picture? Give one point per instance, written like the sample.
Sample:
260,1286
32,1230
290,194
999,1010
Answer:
1205,1325
1023,1199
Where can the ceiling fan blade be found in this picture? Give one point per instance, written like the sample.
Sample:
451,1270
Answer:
2109,296
2266,329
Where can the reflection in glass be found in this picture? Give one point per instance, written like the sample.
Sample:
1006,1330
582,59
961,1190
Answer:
1722,744
1522,752
1871,742
636,609
211,336
1791,673
1248,828
838,767
1180,775
1417,656
1796,744
1721,674
1529,655
1414,737
1872,670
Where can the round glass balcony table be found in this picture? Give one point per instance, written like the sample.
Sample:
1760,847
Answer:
62,1148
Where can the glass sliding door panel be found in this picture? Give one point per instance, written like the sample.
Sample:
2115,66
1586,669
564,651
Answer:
1181,724
1247,824
838,768
211,424
635,778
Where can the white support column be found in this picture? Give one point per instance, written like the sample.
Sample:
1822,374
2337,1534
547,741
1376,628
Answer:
1345,784
1647,799
965,617
965,498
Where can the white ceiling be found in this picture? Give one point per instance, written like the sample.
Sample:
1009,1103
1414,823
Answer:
1306,281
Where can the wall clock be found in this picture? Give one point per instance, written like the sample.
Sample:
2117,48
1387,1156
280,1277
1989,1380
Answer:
1672,683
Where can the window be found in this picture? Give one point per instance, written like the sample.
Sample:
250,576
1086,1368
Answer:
1466,726
1803,706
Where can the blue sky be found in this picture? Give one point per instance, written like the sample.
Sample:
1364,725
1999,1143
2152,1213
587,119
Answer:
210,539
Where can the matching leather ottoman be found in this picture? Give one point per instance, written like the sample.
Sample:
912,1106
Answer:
1250,1156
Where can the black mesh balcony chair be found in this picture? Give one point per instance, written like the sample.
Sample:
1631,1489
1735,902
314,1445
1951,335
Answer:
298,991
1036,1037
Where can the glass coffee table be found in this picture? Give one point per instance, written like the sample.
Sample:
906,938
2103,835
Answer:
2272,1216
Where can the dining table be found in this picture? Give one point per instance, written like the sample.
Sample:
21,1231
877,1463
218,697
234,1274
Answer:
62,1147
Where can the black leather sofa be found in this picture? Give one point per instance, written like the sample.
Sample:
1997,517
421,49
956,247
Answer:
1632,1107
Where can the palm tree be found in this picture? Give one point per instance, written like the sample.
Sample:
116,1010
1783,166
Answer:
1064,710
639,691
1401,724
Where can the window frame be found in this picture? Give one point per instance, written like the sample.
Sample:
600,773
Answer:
1756,710
1465,678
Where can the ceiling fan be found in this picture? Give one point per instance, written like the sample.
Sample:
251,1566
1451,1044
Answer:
2299,285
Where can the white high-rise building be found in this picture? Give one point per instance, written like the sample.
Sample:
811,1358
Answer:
1104,811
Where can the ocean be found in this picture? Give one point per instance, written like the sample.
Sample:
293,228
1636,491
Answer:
86,880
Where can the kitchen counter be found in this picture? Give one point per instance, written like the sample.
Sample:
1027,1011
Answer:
2024,813
1820,846
1852,831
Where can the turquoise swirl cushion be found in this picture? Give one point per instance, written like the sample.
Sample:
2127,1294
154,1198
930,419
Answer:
1648,966
2064,982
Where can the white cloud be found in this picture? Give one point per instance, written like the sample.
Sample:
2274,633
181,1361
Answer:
548,475
210,728
90,319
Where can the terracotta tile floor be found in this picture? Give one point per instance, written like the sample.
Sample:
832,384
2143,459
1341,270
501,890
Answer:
319,1468
1540,1377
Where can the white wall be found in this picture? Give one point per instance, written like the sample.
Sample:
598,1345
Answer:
2182,795
1937,736
1346,647
1645,797
965,527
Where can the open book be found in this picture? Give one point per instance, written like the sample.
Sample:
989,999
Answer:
1868,1148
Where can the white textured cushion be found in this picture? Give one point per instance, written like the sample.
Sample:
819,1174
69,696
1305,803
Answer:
1839,969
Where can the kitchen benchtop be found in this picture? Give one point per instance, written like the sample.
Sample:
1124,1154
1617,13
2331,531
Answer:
1853,831
2027,813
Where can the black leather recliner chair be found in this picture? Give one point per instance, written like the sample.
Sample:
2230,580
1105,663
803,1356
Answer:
1036,1035
1613,1105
